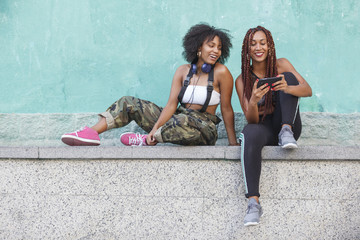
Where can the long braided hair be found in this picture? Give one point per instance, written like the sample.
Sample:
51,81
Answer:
271,69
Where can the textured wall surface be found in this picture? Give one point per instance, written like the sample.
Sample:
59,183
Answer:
80,56
176,199
46,129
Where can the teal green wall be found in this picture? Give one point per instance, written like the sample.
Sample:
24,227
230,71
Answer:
79,56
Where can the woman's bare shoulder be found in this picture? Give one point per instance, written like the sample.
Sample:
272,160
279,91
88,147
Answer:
284,65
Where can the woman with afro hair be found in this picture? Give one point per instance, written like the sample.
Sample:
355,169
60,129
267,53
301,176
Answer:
199,86
271,110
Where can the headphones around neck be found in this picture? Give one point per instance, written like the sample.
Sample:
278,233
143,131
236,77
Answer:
206,68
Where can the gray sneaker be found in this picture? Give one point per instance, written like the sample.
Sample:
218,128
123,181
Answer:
286,138
253,213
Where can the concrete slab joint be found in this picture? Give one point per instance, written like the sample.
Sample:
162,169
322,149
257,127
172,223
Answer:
179,152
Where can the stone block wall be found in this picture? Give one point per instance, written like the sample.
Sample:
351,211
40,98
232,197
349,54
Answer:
46,129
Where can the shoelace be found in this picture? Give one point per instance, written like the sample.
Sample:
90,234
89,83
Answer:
76,132
250,207
285,129
137,140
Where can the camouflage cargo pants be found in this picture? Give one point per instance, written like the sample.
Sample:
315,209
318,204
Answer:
185,127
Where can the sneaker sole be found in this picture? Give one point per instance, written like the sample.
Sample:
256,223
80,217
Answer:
289,146
251,224
78,141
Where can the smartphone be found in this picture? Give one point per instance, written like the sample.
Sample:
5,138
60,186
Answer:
269,81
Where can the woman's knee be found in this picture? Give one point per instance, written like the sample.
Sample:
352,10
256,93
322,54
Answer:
290,78
127,99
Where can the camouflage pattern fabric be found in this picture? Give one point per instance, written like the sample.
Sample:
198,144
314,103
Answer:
185,127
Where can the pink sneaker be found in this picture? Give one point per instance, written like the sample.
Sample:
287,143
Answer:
133,139
83,137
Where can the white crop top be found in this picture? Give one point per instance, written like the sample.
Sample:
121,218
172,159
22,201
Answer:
197,95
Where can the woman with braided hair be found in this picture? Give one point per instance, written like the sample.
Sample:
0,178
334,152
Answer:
271,110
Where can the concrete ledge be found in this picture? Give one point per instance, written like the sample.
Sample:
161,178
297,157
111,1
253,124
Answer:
19,152
162,195
180,152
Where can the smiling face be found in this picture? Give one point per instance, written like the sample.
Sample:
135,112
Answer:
210,50
259,48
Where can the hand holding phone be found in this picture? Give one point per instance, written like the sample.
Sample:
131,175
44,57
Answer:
269,81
